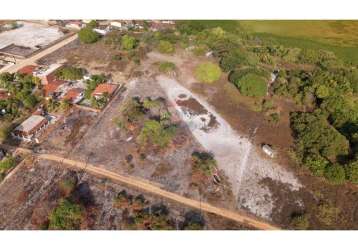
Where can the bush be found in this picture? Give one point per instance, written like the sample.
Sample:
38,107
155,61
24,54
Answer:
66,216
70,73
166,67
251,85
335,174
7,163
155,133
327,214
128,42
4,131
87,35
352,172
165,47
203,162
208,72
300,222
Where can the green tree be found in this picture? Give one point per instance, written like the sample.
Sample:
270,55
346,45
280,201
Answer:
128,42
208,72
87,35
70,73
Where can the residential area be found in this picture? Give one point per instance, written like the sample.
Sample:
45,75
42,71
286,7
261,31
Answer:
173,125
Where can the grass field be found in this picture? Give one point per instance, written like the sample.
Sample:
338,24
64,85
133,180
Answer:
341,37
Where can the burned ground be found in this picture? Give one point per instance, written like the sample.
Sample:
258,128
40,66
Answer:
30,196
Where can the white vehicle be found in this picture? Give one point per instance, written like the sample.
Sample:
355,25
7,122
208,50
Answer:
268,150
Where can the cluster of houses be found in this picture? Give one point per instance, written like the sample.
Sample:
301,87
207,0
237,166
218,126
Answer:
105,26
56,89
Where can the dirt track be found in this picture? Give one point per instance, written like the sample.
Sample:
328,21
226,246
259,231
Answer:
151,188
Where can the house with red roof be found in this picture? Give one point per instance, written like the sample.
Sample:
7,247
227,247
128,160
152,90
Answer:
74,95
102,88
27,70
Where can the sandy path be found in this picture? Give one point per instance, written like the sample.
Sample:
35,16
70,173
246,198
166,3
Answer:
235,154
149,187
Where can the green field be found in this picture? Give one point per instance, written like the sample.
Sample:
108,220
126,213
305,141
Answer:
341,37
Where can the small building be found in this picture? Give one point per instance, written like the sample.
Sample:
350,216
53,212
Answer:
74,25
52,88
28,129
108,88
116,25
27,70
74,95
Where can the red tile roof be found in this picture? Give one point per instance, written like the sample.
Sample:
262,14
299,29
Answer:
51,79
50,88
27,70
104,88
72,94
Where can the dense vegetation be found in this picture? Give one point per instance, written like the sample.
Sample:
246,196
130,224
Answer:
321,81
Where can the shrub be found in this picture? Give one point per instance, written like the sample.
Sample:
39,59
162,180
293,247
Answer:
203,162
7,163
335,174
4,131
166,47
208,72
128,42
300,222
87,35
251,85
70,73
327,214
66,216
166,67
352,172
316,164
155,133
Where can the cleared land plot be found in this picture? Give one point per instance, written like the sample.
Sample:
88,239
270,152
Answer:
30,35
32,193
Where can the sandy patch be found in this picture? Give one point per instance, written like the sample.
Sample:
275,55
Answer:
236,155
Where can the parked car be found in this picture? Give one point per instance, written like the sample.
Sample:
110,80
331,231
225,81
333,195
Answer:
268,150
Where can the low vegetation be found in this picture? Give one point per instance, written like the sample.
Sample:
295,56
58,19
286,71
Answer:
208,72
166,67
203,162
66,216
166,47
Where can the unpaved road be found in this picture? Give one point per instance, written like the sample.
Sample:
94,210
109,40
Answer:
150,187
32,60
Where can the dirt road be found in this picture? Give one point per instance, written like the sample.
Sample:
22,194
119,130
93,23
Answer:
149,187
32,60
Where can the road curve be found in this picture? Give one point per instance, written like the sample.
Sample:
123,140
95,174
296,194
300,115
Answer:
146,186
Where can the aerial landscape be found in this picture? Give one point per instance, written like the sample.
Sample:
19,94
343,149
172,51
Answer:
178,125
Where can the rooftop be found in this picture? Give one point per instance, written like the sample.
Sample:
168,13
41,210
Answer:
30,123
105,88
28,70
